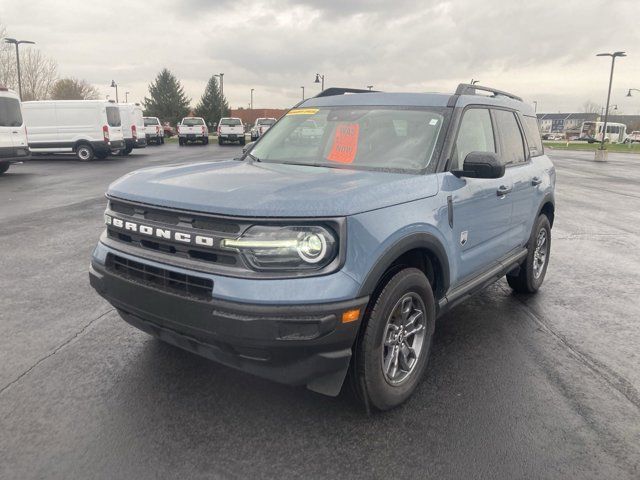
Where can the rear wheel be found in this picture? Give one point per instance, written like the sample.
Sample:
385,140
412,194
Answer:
392,352
205,141
161,140
84,152
4,167
242,141
180,142
532,271
220,142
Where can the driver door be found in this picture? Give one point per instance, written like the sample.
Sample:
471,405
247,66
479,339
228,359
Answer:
481,215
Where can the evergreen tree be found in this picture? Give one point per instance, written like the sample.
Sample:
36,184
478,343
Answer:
167,99
213,105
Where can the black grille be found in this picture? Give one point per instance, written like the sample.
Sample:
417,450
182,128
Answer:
160,278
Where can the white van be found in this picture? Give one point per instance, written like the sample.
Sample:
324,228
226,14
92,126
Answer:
153,130
132,127
13,133
88,128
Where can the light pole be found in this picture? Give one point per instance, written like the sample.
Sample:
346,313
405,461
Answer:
126,97
251,104
302,92
319,79
115,85
612,107
221,77
613,56
632,90
535,106
473,82
16,43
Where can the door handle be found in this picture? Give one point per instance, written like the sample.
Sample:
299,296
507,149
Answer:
503,190
536,181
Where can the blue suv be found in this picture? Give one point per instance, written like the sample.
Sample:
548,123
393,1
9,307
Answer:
333,244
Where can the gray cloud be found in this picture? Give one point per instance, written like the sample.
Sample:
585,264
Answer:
542,50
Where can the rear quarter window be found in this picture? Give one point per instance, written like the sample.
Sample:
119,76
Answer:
532,130
10,114
113,116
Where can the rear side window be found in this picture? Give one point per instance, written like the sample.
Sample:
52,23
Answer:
10,115
475,135
113,116
511,138
532,131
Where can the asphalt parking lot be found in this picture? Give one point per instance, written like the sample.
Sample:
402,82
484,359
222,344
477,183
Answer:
518,387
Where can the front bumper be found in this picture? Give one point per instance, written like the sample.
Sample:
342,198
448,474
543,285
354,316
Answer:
295,345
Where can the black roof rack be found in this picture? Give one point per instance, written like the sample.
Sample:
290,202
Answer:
468,89
330,92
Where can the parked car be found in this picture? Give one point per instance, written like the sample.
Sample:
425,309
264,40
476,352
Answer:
260,127
89,128
193,129
633,137
230,130
300,261
133,127
153,130
169,131
14,147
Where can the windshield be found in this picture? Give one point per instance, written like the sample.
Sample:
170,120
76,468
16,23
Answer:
368,138
266,121
230,121
10,115
190,122
151,121
113,116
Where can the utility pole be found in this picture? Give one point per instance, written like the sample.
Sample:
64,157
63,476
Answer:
17,43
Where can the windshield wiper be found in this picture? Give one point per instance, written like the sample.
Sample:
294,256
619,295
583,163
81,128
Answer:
253,157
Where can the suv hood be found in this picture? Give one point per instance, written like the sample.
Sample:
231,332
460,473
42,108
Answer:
240,188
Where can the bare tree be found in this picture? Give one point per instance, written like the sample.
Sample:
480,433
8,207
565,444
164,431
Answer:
8,76
591,107
73,89
38,72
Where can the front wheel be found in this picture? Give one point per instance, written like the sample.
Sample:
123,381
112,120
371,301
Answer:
531,273
393,351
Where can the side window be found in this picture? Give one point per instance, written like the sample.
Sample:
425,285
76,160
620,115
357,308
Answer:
533,136
511,136
475,135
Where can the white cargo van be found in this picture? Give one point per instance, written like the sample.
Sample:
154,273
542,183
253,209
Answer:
153,130
88,128
193,129
13,133
132,127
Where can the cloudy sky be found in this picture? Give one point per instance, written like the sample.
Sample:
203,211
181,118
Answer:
541,50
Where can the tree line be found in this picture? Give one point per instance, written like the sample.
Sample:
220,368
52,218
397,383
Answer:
169,103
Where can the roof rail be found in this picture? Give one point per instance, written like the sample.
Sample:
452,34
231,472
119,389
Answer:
468,89
330,92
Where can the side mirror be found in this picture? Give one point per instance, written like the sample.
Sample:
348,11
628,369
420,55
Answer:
481,165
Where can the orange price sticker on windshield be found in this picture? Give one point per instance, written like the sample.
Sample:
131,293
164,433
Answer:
345,143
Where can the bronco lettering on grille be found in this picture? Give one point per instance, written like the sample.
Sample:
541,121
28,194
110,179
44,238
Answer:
164,233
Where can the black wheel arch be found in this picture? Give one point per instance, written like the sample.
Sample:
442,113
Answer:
420,249
548,207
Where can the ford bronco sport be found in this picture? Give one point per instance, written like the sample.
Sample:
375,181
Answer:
313,256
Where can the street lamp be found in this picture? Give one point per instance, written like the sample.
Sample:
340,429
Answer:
535,106
613,56
632,89
221,77
251,104
612,107
126,97
320,79
302,92
16,43
473,82
115,85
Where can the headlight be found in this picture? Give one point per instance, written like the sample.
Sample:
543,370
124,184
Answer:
285,247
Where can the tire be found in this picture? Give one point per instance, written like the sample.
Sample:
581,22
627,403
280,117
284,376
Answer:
532,271
101,156
220,142
205,141
243,142
376,382
84,152
4,167
180,142
161,140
